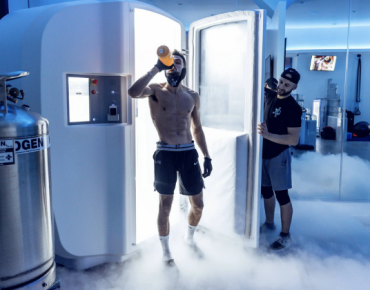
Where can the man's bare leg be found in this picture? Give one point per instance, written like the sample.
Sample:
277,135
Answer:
196,210
195,214
286,213
165,203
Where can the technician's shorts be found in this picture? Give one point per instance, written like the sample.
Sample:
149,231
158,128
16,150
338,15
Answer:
277,172
173,160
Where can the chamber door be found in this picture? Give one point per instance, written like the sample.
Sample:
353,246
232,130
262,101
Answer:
226,62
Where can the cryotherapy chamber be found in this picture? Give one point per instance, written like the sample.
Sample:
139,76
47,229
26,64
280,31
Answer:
83,56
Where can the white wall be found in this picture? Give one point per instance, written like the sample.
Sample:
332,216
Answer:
319,38
275,38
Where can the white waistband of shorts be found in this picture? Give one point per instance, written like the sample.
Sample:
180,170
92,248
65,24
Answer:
177,148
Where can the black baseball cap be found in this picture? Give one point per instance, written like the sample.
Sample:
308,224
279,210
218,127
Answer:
272,83
292,75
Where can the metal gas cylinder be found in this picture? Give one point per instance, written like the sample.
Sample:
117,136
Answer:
26,229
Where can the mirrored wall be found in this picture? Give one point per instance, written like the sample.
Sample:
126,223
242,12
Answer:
328,45
355,178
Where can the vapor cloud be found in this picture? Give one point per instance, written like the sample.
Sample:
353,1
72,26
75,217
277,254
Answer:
330,250
316,175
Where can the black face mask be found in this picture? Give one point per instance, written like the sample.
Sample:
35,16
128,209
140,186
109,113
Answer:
175,79
270,93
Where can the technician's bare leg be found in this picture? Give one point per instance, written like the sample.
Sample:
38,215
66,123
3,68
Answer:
269,204
286,213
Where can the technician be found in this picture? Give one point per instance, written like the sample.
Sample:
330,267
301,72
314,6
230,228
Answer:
280,129
174,110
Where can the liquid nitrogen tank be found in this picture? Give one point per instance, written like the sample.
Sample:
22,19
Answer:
26,231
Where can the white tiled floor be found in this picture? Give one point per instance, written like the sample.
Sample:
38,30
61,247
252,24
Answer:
331,250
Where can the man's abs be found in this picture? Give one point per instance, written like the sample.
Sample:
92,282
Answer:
173,131
171,115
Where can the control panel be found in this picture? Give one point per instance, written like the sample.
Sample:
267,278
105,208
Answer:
97,99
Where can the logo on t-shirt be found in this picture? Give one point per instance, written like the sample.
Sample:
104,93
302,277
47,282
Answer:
277,112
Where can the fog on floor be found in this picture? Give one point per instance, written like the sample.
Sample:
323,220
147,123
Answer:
330,250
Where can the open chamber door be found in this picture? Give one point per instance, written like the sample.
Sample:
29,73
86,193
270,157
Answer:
225,66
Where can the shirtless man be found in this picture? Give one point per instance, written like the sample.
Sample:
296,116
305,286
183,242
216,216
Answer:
174,110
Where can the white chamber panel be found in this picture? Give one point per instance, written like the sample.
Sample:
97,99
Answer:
225,190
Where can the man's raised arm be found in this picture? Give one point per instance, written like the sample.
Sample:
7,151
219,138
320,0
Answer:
140,88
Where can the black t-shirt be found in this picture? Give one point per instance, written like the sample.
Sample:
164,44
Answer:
279,115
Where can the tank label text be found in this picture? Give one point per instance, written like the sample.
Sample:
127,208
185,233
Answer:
6,152
30,145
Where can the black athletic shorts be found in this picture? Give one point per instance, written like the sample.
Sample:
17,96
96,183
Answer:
172,161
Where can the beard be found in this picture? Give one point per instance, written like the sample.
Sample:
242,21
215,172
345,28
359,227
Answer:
283,93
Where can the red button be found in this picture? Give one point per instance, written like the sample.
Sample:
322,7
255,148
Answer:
95,82
93,92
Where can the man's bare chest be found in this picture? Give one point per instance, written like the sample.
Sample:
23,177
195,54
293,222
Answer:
169,104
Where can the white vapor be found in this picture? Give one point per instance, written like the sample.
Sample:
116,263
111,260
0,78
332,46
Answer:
330,250
316,175
330,244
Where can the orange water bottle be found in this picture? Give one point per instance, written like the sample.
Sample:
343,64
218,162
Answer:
165,55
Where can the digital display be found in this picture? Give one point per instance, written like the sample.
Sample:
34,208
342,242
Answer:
323,62
78,99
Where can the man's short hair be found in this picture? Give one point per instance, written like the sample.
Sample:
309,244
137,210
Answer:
178,53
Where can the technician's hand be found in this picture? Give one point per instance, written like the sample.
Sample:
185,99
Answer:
160,66
207,167
262,130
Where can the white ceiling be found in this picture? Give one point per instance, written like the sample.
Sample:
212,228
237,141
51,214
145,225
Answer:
192,10
327,13
302,13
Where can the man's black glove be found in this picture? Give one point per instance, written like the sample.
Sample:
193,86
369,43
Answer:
161,66
207,167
